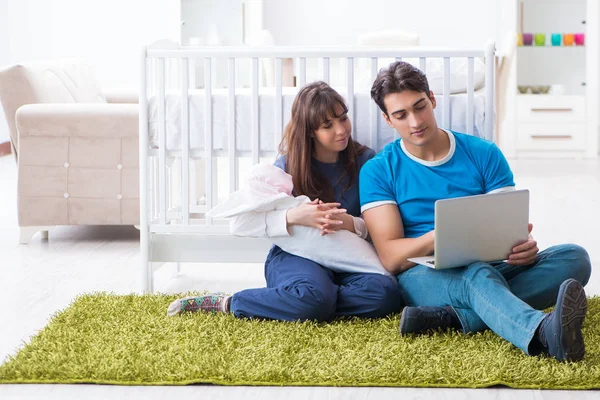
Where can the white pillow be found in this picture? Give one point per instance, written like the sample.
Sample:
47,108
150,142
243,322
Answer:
269,188
459,69
342,251
435,74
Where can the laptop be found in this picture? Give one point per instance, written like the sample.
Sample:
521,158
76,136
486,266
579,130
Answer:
478,228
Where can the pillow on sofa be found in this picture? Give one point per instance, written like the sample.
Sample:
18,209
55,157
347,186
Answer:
79,80
63,81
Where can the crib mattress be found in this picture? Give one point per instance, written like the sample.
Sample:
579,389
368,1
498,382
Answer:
269,134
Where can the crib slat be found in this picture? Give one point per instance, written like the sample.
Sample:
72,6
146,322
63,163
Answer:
446,110
470,104
278,101
169,178
374,125
145,172
490,49
325,69
185,145
232,145
151,71
350,84
302,72
162,143
208,145
255,115
156,192
423,64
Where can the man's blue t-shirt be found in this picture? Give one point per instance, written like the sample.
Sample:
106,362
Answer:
394,176
332,171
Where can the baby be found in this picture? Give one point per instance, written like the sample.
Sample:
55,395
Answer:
270,188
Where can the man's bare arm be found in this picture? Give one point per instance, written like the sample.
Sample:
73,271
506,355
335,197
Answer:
387,232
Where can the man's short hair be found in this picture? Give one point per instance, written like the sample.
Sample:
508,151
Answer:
396,78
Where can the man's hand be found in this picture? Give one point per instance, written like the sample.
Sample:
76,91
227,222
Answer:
524,253
315,214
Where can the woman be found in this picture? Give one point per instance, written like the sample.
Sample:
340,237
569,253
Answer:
319,153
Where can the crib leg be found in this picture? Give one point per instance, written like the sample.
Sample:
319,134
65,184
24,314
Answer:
152,267
147,269
176,270
147,278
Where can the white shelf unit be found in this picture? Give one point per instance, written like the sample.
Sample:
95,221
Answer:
563,123
220,23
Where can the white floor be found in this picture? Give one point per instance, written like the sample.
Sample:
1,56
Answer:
43,277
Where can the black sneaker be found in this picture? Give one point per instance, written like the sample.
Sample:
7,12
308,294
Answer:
423,319
561,329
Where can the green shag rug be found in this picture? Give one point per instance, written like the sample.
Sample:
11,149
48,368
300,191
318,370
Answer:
129,340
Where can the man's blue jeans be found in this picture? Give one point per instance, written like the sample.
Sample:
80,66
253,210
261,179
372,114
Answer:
503,297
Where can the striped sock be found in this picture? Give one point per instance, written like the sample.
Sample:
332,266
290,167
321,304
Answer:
215,302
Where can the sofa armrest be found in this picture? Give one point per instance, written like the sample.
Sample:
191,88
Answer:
121,96
82,120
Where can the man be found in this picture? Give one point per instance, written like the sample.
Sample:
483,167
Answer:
398,189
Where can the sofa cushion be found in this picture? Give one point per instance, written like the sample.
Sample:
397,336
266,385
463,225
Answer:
67,81
79,80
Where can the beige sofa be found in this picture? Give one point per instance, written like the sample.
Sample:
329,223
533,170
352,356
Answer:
76,147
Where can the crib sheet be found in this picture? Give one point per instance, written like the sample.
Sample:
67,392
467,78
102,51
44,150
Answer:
270,135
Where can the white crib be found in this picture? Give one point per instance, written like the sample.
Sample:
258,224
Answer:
182,134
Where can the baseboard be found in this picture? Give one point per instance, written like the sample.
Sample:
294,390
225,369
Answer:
5,149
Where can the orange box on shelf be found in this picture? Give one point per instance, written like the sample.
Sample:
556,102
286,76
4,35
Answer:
568,39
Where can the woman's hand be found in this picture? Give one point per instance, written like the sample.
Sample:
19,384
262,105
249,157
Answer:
347,223
315,214
337,222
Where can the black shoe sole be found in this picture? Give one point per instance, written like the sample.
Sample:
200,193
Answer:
574,308
402,321
426,325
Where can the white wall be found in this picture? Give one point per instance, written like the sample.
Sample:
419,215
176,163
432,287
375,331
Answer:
30,30
4,49
212,22
458,23
107,33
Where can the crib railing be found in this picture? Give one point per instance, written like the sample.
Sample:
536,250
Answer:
170,200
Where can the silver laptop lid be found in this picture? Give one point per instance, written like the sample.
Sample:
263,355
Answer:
480,228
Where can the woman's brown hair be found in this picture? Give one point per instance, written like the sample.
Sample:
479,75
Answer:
315,104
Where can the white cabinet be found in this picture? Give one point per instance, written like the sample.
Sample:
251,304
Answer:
563,122
547,122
